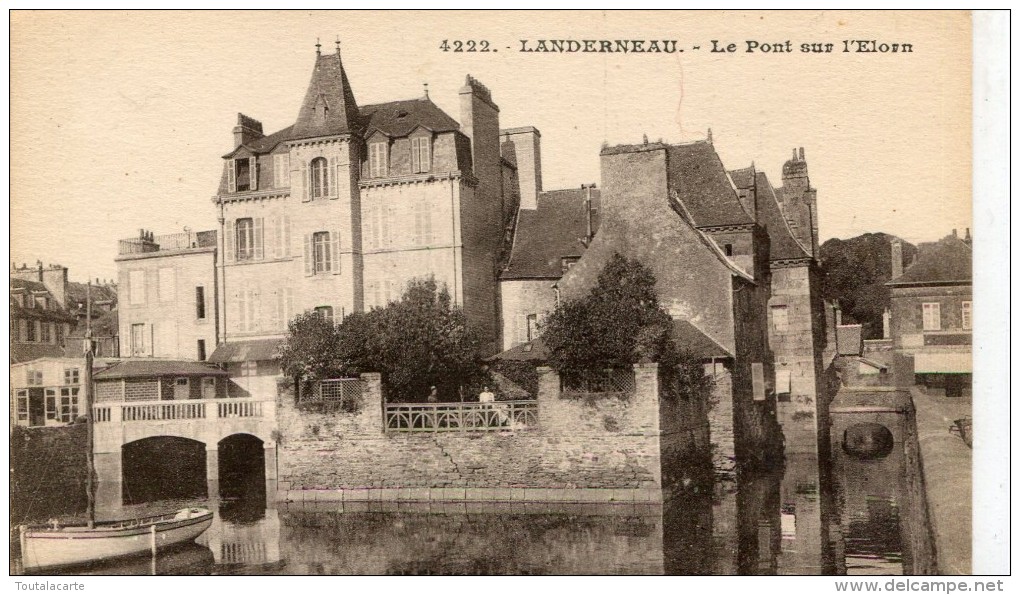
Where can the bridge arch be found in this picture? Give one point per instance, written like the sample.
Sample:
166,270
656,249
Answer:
163,467
241,466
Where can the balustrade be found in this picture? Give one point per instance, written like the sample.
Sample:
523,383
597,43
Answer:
461,417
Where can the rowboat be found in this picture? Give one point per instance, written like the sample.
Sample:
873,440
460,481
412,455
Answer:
55,545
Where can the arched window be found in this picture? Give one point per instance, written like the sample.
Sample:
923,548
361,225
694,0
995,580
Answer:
320,178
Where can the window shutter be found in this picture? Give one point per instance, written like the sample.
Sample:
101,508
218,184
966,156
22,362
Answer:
272,237
331,175
255,310
309,265
288,306
253,172
259,251
277,310
334,237
415,155
287,251
231,176
388,216
302,187
229,240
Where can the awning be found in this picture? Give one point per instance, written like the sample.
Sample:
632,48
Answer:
943,363
246,351
147,368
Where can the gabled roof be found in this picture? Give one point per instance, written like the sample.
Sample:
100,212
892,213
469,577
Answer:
400,118
533,351
329,107
743,178
783,245
142,368
246,351
550,232
947,261
693,340
700,181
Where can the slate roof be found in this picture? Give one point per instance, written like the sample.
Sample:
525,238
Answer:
691,339
24,352
141,368
849,339
329,107
550,232
246,351
946,261
697,175
53,314
782,243
533,351
743,178
400,118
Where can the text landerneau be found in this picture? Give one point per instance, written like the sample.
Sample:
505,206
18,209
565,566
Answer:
48,586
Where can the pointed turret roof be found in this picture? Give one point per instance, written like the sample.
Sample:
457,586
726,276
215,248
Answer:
329,107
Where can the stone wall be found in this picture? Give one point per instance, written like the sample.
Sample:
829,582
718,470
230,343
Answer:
583,451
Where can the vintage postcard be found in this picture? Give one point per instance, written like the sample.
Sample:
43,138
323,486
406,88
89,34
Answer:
494,293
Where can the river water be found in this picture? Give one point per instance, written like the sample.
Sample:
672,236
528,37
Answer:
790,521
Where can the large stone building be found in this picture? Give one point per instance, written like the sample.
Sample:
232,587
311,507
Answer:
736,265
337,212
40,321
932,314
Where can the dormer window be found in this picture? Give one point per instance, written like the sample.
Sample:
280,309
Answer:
567,262
377,159
242,175
421,158
319,178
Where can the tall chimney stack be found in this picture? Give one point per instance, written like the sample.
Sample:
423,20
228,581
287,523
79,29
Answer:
897,257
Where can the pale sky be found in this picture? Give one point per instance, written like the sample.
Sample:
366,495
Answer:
119,120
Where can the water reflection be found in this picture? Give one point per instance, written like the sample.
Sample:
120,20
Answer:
791,520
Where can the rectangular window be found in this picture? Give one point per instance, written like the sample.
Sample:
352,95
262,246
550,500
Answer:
377,166
281,170
44,332
51,403
30,334
200,302
166,285
249,369
21,396
780,318
321,252
41,302
138,340
33,377
242,175
136,287
532,327
728,249
931,316
20,300
420,158
201,350
965,316
758,381
68,404
326,312
59,328
244,239
208,387
71,376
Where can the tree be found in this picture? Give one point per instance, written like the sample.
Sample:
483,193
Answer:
311,350
617,324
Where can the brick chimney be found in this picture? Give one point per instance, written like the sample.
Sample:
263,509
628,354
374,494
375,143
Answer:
527,152
897,257
247,130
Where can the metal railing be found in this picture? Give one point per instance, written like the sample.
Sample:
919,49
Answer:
461,417
170,241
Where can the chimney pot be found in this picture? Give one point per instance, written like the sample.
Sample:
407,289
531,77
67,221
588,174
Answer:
802,153
954,232
794,154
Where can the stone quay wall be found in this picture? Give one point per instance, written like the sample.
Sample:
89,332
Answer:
593,450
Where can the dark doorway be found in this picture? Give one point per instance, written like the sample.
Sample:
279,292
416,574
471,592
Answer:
242,468
163,468
37,407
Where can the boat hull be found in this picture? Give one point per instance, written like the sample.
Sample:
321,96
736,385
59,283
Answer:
50,548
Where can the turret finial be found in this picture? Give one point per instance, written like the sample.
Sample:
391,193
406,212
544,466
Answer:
337,42
318,47
426,90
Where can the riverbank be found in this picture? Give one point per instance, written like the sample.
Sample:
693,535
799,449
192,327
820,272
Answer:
946,462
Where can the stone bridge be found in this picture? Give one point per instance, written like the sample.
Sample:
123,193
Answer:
208,421
859,406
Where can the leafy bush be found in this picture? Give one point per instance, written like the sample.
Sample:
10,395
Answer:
419,341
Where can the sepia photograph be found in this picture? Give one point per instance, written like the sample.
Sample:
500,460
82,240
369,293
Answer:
497,293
